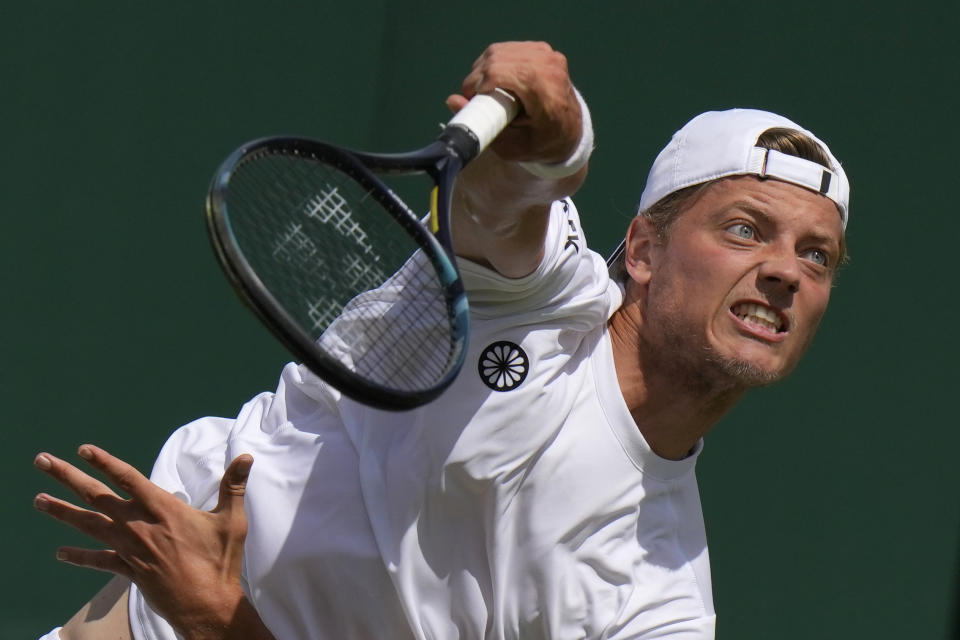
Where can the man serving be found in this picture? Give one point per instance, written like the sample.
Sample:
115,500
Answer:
550,492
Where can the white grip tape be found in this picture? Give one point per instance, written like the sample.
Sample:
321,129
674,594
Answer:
486,115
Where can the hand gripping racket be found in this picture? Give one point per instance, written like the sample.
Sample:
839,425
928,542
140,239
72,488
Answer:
340,269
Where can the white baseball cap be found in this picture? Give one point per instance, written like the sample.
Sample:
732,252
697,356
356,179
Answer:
716,144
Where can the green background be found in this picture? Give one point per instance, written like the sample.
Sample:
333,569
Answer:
831,500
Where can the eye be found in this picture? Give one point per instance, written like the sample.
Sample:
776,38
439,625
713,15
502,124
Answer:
742,230
817,256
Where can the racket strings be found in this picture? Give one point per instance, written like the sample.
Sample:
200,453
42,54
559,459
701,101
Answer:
387,336
344,269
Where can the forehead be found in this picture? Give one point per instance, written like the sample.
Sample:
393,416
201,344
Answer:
779,202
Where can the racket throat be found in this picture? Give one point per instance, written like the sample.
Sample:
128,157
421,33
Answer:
434,212
461,142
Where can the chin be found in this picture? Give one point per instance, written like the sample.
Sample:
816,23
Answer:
750,374
739,369
750,367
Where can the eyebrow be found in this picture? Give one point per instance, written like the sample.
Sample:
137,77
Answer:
746,208
816,236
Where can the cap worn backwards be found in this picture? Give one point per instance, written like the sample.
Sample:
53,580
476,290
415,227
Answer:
716,144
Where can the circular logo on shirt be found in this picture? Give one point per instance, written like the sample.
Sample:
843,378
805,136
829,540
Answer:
503,366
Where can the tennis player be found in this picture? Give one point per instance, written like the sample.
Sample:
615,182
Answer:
550,492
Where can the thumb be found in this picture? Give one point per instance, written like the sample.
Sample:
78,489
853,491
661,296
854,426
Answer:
233,485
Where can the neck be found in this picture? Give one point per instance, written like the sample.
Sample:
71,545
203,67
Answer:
673,402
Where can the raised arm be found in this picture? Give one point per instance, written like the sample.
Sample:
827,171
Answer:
503,198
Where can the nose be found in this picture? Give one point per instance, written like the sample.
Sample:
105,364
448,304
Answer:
780,270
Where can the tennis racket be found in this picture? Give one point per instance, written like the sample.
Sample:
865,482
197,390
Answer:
340,269
614,259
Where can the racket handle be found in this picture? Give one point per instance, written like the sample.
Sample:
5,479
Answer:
486,115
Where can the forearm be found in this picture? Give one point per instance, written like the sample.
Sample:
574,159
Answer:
501,214
105,616
501,206
503,198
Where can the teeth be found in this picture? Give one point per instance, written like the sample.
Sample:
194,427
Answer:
758,315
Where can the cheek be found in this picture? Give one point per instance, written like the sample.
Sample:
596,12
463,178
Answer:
701,274
684,293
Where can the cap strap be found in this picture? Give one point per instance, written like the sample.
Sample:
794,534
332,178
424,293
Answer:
805,173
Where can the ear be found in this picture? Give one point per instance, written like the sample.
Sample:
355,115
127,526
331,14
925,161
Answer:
641,239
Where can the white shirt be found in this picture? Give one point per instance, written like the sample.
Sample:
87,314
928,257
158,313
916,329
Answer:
528,507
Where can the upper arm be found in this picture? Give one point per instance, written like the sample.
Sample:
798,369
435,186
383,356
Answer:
105,617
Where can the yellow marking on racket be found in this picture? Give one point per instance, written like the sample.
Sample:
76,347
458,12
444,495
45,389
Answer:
434,221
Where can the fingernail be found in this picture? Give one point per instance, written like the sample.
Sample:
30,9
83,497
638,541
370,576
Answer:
42,462
85,452
61,555
41,503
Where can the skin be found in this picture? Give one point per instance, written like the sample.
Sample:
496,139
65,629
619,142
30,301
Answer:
105,616
683,357
186,561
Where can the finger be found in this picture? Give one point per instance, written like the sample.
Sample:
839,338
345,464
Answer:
99,559
94,524
87,488
473,79
233,485
512,66
456,102
471,82
123,475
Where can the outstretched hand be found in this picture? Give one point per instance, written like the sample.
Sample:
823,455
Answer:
187,562
548,127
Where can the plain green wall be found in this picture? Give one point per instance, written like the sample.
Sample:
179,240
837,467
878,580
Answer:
831,500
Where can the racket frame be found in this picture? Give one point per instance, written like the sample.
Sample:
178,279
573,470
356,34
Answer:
468,133
442,160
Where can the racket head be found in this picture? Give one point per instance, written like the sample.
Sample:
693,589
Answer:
340,269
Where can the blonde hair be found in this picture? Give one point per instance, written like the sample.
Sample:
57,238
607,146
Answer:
665,211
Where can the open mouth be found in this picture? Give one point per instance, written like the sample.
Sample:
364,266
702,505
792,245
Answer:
760,316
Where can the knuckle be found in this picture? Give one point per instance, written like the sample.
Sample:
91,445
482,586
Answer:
50,506
58,469
125,480
61,511
560,60
100,501
238,490
90,495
